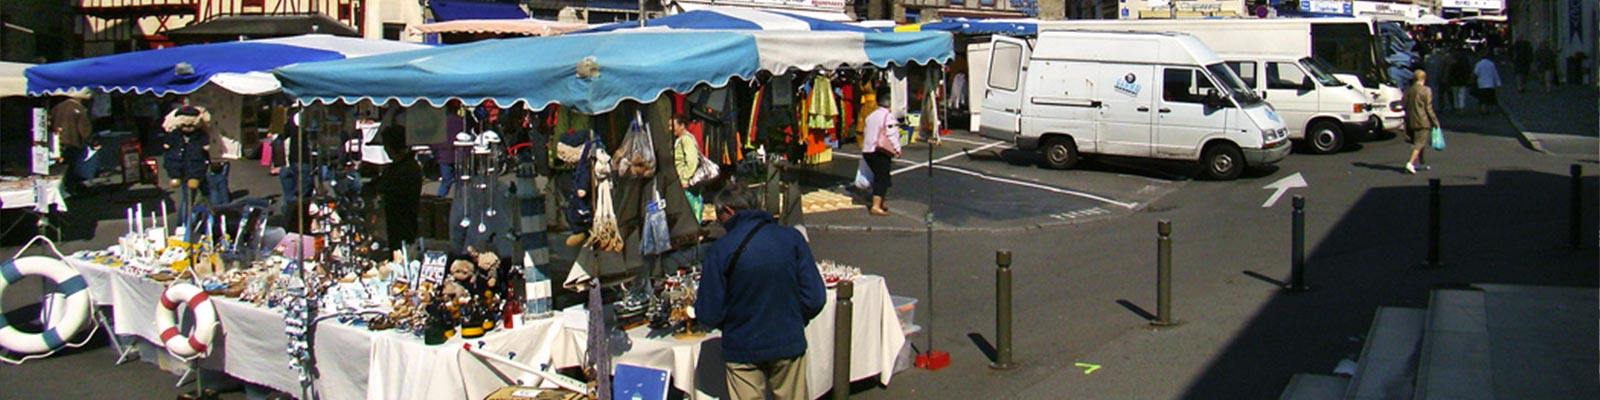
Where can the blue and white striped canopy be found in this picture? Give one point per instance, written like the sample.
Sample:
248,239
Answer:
241,67
729,18
639,66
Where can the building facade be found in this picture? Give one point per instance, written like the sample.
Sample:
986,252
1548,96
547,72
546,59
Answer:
1169,9
35,31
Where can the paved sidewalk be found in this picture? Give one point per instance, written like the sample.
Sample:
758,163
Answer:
1565,121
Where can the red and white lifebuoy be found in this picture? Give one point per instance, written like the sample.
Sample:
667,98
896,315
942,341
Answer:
205,314
68,283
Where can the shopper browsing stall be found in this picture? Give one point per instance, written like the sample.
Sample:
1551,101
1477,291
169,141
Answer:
760,286
686,158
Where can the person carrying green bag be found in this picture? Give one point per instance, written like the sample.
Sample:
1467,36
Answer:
1422,125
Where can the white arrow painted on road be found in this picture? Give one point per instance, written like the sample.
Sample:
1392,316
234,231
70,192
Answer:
1283,185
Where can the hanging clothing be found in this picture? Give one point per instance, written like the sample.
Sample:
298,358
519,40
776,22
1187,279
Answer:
822,109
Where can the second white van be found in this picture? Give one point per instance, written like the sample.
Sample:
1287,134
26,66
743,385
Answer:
1321,111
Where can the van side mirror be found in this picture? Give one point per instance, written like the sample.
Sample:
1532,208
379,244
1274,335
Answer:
1214,99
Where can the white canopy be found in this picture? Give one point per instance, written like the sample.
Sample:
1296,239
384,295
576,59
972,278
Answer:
12,83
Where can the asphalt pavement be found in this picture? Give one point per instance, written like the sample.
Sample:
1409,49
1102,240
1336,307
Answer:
1085,279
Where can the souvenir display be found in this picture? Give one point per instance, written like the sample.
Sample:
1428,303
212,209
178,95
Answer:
833,272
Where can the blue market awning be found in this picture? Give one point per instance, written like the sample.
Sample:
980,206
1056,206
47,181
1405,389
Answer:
974,27
451,10
240,67
729,18
639,66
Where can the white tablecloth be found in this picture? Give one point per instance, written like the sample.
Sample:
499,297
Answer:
38,193
356,363
875,344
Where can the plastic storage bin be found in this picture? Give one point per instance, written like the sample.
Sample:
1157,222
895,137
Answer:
905,308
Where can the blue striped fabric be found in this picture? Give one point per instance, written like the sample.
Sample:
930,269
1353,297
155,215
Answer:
52,339
72,286
8,271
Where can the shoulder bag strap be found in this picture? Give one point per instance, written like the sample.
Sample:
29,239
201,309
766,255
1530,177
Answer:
740,251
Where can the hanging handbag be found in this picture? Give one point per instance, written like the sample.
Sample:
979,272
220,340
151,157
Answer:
1438,139
706,171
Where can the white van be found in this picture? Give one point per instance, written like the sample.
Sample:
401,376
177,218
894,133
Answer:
1136,94
1319,109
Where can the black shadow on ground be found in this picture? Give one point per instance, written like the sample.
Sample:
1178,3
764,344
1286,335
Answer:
1264,278
1380,167
1139,311
984,346
1508,230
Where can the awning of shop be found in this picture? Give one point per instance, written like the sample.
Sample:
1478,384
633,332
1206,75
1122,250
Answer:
524,27
636,65
452,10
726,18
239,67
12,82
808,12
974,26
232,27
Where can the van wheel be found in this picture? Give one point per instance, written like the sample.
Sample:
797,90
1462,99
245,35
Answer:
1060,153
1223,162
1325,137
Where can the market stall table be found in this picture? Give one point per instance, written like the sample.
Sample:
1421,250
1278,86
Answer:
876,341
354,362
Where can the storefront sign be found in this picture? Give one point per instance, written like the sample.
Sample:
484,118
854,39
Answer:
1327,7
1199,6
1474,4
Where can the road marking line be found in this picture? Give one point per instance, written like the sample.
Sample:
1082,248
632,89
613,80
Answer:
973,142
942,159
1009,181
1038,186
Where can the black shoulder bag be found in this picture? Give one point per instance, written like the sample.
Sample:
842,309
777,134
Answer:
727,274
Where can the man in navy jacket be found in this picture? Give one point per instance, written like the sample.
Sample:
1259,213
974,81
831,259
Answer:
760,285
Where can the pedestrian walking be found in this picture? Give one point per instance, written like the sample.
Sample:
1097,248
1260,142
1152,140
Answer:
1545,65
1460,79
1522,57
69,119
444,152
1420,120
761,287
880,146
1488,80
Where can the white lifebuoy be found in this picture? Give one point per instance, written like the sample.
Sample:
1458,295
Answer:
68,283
192,297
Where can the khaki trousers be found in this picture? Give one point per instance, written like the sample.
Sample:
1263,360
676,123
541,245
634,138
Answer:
786,377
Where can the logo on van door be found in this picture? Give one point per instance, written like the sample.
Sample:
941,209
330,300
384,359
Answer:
1127,86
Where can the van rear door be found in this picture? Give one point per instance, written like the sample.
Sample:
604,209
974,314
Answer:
1002,102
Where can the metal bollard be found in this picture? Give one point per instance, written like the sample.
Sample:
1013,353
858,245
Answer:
843,314
1002,311
1434,229
1575,235
1163,274
1297,249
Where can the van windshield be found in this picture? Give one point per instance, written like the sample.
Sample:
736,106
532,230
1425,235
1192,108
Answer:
1232,86
1321,75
